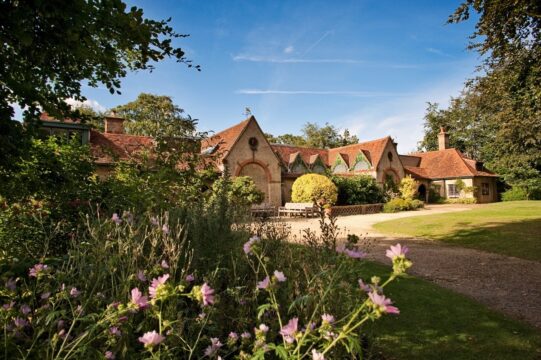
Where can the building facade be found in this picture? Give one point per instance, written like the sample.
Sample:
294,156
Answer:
243,150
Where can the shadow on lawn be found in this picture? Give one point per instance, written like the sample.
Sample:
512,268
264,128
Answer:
520,238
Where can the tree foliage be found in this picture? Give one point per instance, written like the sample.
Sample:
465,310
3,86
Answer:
313,135
51,47
408,188
156,116
496,118
357,190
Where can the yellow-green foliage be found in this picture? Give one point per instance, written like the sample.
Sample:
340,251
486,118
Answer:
408,188
314,187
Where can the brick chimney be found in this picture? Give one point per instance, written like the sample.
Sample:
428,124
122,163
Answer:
443,139
114,124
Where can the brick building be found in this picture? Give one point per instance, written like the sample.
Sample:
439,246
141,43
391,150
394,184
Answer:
244,150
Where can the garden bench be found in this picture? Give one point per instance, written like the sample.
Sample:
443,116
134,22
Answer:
263,209
302,209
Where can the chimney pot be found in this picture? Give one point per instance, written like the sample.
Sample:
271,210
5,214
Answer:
114,125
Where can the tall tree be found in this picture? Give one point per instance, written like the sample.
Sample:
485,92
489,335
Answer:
497,117
156,116
317,136
50,47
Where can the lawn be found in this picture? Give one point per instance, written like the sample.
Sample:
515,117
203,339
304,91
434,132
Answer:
436,323
508,228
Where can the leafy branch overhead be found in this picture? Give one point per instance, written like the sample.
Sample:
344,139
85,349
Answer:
51,48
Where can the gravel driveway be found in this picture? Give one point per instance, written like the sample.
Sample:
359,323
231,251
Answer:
508,284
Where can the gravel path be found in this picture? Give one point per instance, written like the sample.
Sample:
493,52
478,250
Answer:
508,284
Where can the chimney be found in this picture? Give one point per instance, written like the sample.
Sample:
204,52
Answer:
443,140
114,124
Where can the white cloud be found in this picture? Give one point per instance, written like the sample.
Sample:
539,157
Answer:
318,92
311,47
93,104
289,49
437,52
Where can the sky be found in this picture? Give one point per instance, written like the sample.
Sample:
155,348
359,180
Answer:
369,66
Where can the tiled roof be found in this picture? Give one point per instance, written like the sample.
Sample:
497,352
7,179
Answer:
308,155
373,151
448,163
106,147
226,139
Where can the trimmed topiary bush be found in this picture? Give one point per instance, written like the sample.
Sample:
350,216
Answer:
314,188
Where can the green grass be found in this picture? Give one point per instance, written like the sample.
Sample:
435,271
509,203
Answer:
509,228
436,323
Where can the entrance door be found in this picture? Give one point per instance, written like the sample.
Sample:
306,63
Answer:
421,192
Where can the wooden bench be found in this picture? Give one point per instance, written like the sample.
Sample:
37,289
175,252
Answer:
263,209
301,209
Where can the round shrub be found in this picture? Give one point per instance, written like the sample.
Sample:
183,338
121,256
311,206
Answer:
313,188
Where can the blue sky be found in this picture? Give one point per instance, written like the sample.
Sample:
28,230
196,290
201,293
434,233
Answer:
369,66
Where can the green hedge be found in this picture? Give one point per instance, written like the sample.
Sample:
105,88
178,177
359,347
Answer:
399,204
358,190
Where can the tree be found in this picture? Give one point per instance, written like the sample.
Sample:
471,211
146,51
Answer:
496,118
408,188
51,47
156,116
315,136
314,188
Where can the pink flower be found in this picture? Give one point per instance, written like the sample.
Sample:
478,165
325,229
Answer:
156,284
355,254
45,295
115,331
327,318
165,229
141,276
25,309
137,298
20,323
151,338
11,284
37,269
190,278
248,245
207,294
233,336
289,331
280,277
164,264
396,251
154,221
317,355
263,328
263,284
246,335
213,348
363,286
109,355
383,303
74,292
116,219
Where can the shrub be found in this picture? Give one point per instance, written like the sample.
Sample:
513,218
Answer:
515,194
243,191
471,200
434,196
314,188
399,204
408,188
357,190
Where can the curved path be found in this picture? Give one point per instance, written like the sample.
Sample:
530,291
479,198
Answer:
508,284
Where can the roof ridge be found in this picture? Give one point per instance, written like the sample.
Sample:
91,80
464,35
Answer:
362,143
247,120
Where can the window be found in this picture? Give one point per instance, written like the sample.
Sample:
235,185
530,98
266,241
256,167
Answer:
452,191
318,169
361,165
390,156
340,168
485,189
